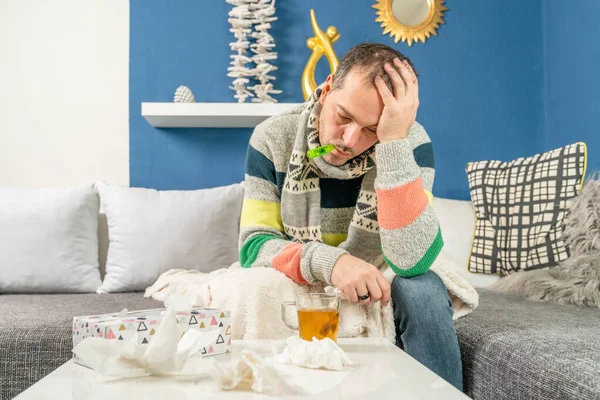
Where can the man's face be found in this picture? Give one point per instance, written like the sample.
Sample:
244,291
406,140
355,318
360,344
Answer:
349,117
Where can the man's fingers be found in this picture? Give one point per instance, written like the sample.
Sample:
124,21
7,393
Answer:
374,290
398,80
411,72
384,92
386,290
361,290
412,88
408,77
350,293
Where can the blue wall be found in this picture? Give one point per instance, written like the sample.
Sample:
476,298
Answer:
481,86
176,43
572,80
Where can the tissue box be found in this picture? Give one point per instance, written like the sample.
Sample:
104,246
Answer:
123,326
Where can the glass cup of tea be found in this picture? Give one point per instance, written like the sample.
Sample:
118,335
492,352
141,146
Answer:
318,315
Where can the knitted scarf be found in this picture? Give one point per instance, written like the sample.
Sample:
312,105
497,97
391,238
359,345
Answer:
301,195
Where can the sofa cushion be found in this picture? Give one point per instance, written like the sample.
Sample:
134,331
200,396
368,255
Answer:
36,332
513,348
456,223
153,231
49,240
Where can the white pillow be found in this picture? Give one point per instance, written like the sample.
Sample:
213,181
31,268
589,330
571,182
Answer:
457,220
49,240
456,223
151,232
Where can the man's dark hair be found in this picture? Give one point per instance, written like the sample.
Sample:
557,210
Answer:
370,58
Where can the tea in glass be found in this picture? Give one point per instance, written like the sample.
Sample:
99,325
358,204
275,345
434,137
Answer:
318,315
319,323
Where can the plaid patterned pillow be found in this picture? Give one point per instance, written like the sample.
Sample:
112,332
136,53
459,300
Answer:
519,209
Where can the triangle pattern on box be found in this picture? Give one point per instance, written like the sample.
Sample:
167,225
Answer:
220,339
142,327
213,321
122,327
202,325
193,321
145,341
203,350
228,331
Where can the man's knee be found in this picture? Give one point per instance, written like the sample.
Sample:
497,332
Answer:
420,295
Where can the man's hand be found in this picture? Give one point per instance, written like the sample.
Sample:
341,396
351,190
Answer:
356,277
399,110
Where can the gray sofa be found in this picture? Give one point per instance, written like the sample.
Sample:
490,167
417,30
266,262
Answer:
512,348
35,332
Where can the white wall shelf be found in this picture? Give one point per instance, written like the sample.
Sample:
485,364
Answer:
210,115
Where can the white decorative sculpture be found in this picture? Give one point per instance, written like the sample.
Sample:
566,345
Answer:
241,22
252,19
263,14
183,94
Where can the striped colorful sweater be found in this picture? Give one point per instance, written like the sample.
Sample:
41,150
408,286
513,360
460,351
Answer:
394,225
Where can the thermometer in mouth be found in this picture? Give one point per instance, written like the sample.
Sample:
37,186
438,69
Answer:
320,151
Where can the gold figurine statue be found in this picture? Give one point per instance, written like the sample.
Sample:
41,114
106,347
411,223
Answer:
321,43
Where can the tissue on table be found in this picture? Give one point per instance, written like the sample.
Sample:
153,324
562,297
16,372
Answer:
169,353
323,353
142,326
252,372
269,376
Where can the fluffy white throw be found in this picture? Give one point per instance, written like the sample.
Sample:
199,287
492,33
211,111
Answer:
254,297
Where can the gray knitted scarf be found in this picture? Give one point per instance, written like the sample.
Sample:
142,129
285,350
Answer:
301,195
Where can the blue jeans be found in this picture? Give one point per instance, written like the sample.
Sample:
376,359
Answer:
424,326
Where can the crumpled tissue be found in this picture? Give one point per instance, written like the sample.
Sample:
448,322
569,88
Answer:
252,372
168,353
290,372
324,353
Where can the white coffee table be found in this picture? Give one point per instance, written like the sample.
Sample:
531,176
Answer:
381,371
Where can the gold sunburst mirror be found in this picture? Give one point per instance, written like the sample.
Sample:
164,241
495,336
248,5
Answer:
410,20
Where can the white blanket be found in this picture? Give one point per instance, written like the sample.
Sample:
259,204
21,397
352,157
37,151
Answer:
254,297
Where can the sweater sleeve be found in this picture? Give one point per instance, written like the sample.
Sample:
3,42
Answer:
410,232
262,241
